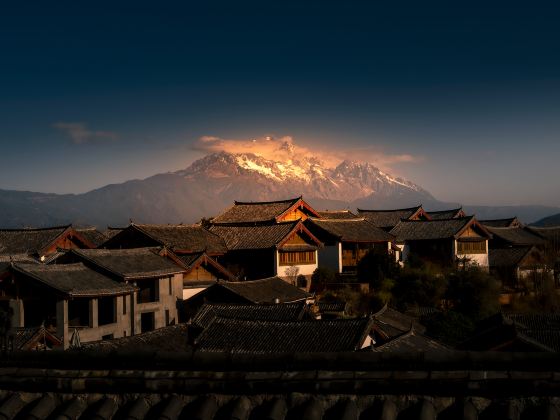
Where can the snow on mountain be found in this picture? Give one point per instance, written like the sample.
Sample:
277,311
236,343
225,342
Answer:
306,175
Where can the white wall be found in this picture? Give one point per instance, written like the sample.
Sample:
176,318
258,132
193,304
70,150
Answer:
304,269
476,259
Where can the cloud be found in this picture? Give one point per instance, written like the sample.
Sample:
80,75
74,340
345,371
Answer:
284,149
79,133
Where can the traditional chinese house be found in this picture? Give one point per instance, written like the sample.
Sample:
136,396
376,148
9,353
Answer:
181,239
266,212
388,219
64,298
158,279
285,249
42,242
516,263
507,237
346,241
445,241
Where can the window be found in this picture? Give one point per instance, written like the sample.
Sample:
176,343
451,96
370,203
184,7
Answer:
147,321
170,285
148,291
167,317
106,310
124,299
78,313
297,257
478,247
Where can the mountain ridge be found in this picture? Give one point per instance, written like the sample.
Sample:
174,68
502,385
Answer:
212,183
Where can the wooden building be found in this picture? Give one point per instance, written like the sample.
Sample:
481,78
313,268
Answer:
513,264
266,212
181,239
445,242
507,237
285,249
40,243
388,219
346,241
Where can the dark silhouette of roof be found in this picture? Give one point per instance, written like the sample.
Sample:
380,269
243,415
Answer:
241,336
275,312
511,257
412,341
29,240
389,218
516,236
337,214
93,235
179,238
172,338
130,263
446,214
35,338
508,222
413,230
73,280
348,230
264,291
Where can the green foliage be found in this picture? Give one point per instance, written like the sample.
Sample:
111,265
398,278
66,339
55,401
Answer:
375,267
358,303
421,286
473,292
322,276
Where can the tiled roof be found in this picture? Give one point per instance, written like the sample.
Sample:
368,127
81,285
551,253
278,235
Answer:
276,312
28,241
173,338
265,291
325,307
73,280
516,235
24,338
551,233
93,235
186,238
388,218
236,336
337,214
543,328
263,211
394,323
509,222
130,263
508,257
412,341
349,230
412,230
446,214
242,237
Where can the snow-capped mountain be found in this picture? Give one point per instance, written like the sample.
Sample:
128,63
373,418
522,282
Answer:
349,181
212,183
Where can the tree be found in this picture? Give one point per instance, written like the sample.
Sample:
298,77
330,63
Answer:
424,286
322,276
375,267
473,292
292,273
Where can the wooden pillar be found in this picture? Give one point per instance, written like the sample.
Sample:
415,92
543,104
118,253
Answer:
62,322
93,313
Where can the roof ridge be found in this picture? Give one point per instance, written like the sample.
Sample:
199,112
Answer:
290,200
390,210
33,229
445,211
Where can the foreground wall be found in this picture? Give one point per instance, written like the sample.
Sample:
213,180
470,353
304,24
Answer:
313,386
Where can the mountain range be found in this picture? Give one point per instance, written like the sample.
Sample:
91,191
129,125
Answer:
213,182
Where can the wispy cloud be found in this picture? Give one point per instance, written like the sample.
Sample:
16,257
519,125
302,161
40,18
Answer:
284,149
79,133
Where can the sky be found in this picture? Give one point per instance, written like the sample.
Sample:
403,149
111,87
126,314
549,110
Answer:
462,98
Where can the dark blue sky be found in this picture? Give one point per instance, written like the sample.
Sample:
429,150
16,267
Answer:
93,93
